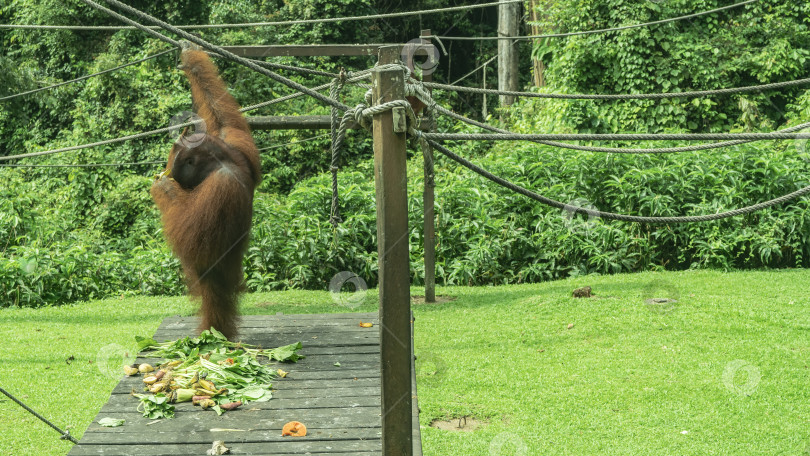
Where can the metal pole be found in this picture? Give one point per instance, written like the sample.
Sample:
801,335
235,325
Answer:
390,176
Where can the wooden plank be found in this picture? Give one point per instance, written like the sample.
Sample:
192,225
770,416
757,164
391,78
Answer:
125,402
192,420
390,176
165,437
189,322
352,328
171,450
305,50
273,327
127,387
321,340
341,406
312,361
299,446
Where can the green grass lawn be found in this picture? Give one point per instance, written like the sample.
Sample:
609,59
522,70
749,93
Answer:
722,371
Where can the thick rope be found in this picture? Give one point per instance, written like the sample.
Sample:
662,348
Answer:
211,47
65,434
80,165
264,24
9,97
628,96
334,93
453,84
279,66
151,132
614,136
588,32
610,215
360,75
416,88
615,150
93,165
112,13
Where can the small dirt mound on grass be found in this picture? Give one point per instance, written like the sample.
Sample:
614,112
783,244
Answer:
419,299
465,423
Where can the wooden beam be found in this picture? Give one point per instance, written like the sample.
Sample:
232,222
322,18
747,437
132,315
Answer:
305,50
293,123
390,176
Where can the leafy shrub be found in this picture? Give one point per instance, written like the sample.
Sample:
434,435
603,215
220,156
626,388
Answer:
124,205
763,42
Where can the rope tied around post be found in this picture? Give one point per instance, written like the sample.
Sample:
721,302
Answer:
334,93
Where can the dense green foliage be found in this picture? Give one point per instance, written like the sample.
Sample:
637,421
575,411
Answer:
762,42
76,233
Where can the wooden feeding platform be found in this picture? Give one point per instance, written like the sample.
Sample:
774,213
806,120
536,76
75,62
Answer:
339,404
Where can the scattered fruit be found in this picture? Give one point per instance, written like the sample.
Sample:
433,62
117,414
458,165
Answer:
294,429
230,405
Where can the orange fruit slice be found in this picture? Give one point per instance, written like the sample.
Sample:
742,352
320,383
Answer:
294,428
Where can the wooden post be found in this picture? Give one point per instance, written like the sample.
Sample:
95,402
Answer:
508,14
390,176
428,198
537,64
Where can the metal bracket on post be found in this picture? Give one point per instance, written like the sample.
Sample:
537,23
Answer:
400,120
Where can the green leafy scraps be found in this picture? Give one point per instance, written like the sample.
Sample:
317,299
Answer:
111,422
155,406
211,371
